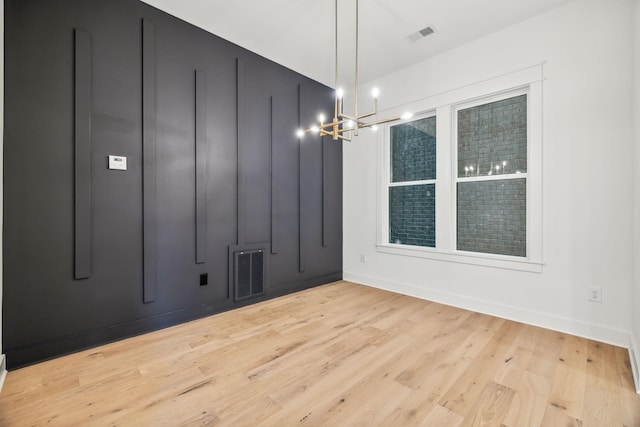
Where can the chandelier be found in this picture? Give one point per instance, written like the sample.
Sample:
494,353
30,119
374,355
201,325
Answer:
344,126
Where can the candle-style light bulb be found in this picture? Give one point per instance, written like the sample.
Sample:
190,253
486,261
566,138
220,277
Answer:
339,93
321,118
299,133
375,92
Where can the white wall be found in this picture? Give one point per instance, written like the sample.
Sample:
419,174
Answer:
587,175
636,195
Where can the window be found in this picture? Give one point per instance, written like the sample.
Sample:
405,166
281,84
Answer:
412,190
482,204
491,181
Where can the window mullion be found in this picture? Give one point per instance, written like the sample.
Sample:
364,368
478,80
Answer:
444,224
408,183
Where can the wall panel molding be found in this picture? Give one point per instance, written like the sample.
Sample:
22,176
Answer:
301,257
201,165
149,183
324,194
82,154
275,173
241,117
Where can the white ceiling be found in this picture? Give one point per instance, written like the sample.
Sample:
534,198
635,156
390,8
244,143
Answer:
300,33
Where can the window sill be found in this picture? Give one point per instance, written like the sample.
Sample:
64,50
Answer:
486,260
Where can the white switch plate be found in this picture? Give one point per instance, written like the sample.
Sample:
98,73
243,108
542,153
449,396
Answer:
118,163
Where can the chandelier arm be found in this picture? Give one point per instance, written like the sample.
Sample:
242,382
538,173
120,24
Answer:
346,117
334,123
373,113
381,122
359,118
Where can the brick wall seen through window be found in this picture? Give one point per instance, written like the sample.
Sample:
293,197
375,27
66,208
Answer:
491,181
412,189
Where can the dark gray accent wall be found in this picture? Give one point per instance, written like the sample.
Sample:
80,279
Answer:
209,169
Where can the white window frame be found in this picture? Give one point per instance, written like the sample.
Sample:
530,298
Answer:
388,174
454,146
445,105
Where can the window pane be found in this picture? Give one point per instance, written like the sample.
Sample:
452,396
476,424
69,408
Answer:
493,137
413,150
412,215
492,216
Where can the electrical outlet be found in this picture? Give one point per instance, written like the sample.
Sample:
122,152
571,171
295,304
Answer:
204,279
595,294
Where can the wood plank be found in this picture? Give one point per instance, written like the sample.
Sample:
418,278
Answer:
493,358
339,354
491,407
602,405
567,393
439,416
530,400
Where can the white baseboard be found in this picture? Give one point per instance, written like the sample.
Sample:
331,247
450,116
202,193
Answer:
634,353
3,371
545,320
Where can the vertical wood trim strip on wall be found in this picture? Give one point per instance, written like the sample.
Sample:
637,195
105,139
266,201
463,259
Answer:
201,166
301,258
275,174
82,154
325,197
241,117
149,159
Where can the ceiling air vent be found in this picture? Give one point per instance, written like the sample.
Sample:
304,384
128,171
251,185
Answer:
426,31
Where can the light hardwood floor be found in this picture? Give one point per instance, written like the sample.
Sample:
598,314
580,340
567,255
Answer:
337,355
